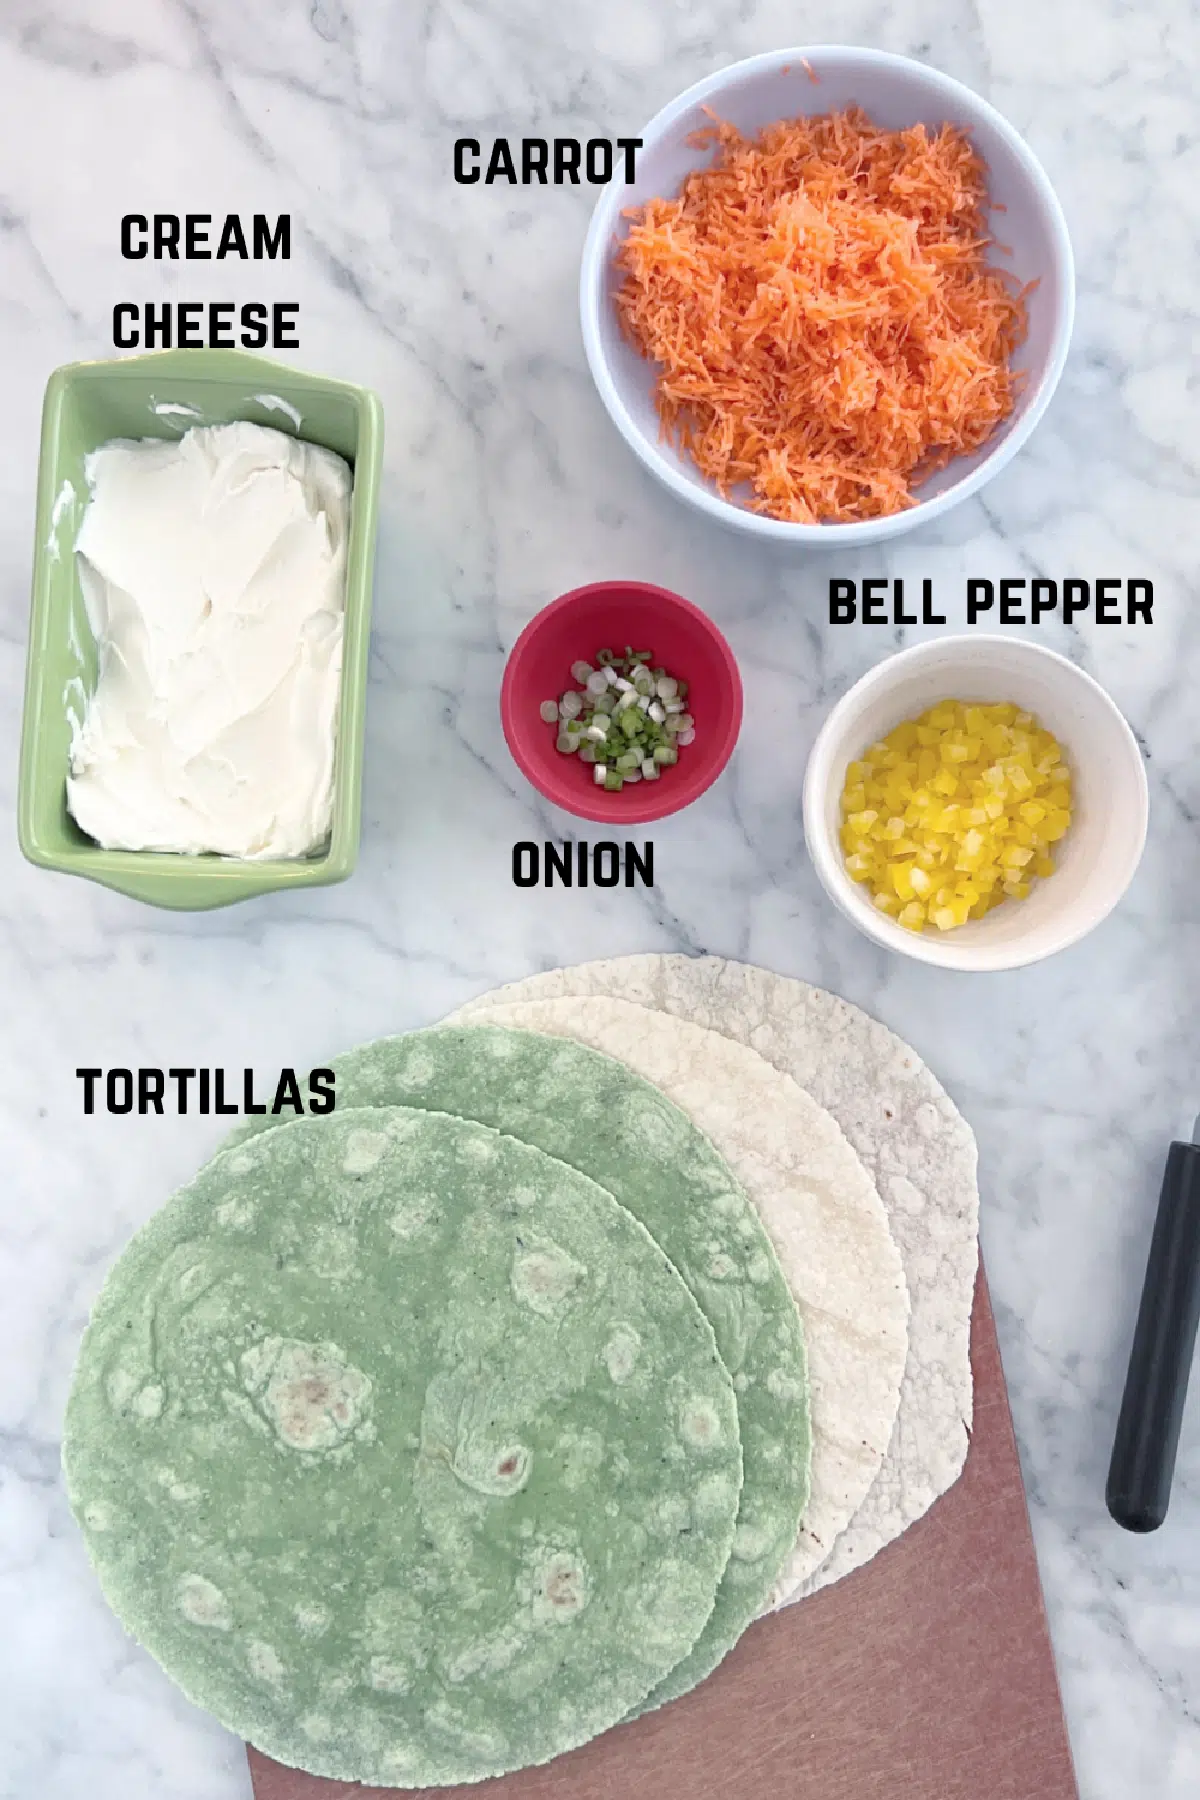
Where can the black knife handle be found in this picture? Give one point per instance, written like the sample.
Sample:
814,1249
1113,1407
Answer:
1143,1458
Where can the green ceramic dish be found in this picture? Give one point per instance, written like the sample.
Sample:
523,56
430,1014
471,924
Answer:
162,395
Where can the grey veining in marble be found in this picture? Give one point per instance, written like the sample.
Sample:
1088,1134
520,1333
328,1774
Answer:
505,484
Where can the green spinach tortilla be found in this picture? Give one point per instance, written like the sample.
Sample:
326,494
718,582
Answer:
404,1449
594,1112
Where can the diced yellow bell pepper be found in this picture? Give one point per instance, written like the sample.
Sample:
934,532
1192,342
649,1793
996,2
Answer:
954,813
901,876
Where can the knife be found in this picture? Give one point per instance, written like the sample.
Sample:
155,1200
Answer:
1143,1457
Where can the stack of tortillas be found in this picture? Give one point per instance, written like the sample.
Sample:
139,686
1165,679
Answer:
426,1440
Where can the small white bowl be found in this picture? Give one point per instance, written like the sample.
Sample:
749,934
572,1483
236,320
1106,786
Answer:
896,92
1110,805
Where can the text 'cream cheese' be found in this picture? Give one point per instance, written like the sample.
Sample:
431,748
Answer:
213,569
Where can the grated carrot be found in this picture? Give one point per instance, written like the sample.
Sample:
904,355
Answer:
827,330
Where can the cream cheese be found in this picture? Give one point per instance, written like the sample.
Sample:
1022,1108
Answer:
213,569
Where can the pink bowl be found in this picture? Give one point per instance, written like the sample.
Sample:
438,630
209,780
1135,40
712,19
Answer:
613,614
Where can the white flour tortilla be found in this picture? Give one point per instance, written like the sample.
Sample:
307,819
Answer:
918,1148
822,1214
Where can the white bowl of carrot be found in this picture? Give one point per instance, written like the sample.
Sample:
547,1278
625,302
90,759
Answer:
836,300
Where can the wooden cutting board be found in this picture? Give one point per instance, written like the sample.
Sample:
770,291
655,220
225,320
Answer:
928,1675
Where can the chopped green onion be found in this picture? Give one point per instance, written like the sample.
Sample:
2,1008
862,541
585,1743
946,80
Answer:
626,719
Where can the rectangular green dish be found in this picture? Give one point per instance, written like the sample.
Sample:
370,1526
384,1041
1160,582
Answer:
162,395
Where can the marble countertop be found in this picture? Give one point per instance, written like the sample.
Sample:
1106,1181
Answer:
505,484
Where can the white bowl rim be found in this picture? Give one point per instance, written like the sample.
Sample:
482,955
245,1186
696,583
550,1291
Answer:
941,951
859,531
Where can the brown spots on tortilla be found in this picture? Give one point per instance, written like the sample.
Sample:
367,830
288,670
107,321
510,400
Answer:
305,1408
310,1395
545,1277
415,1214
560,1590
700,1423
202,1603
564,1591
621,1353
499,1471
